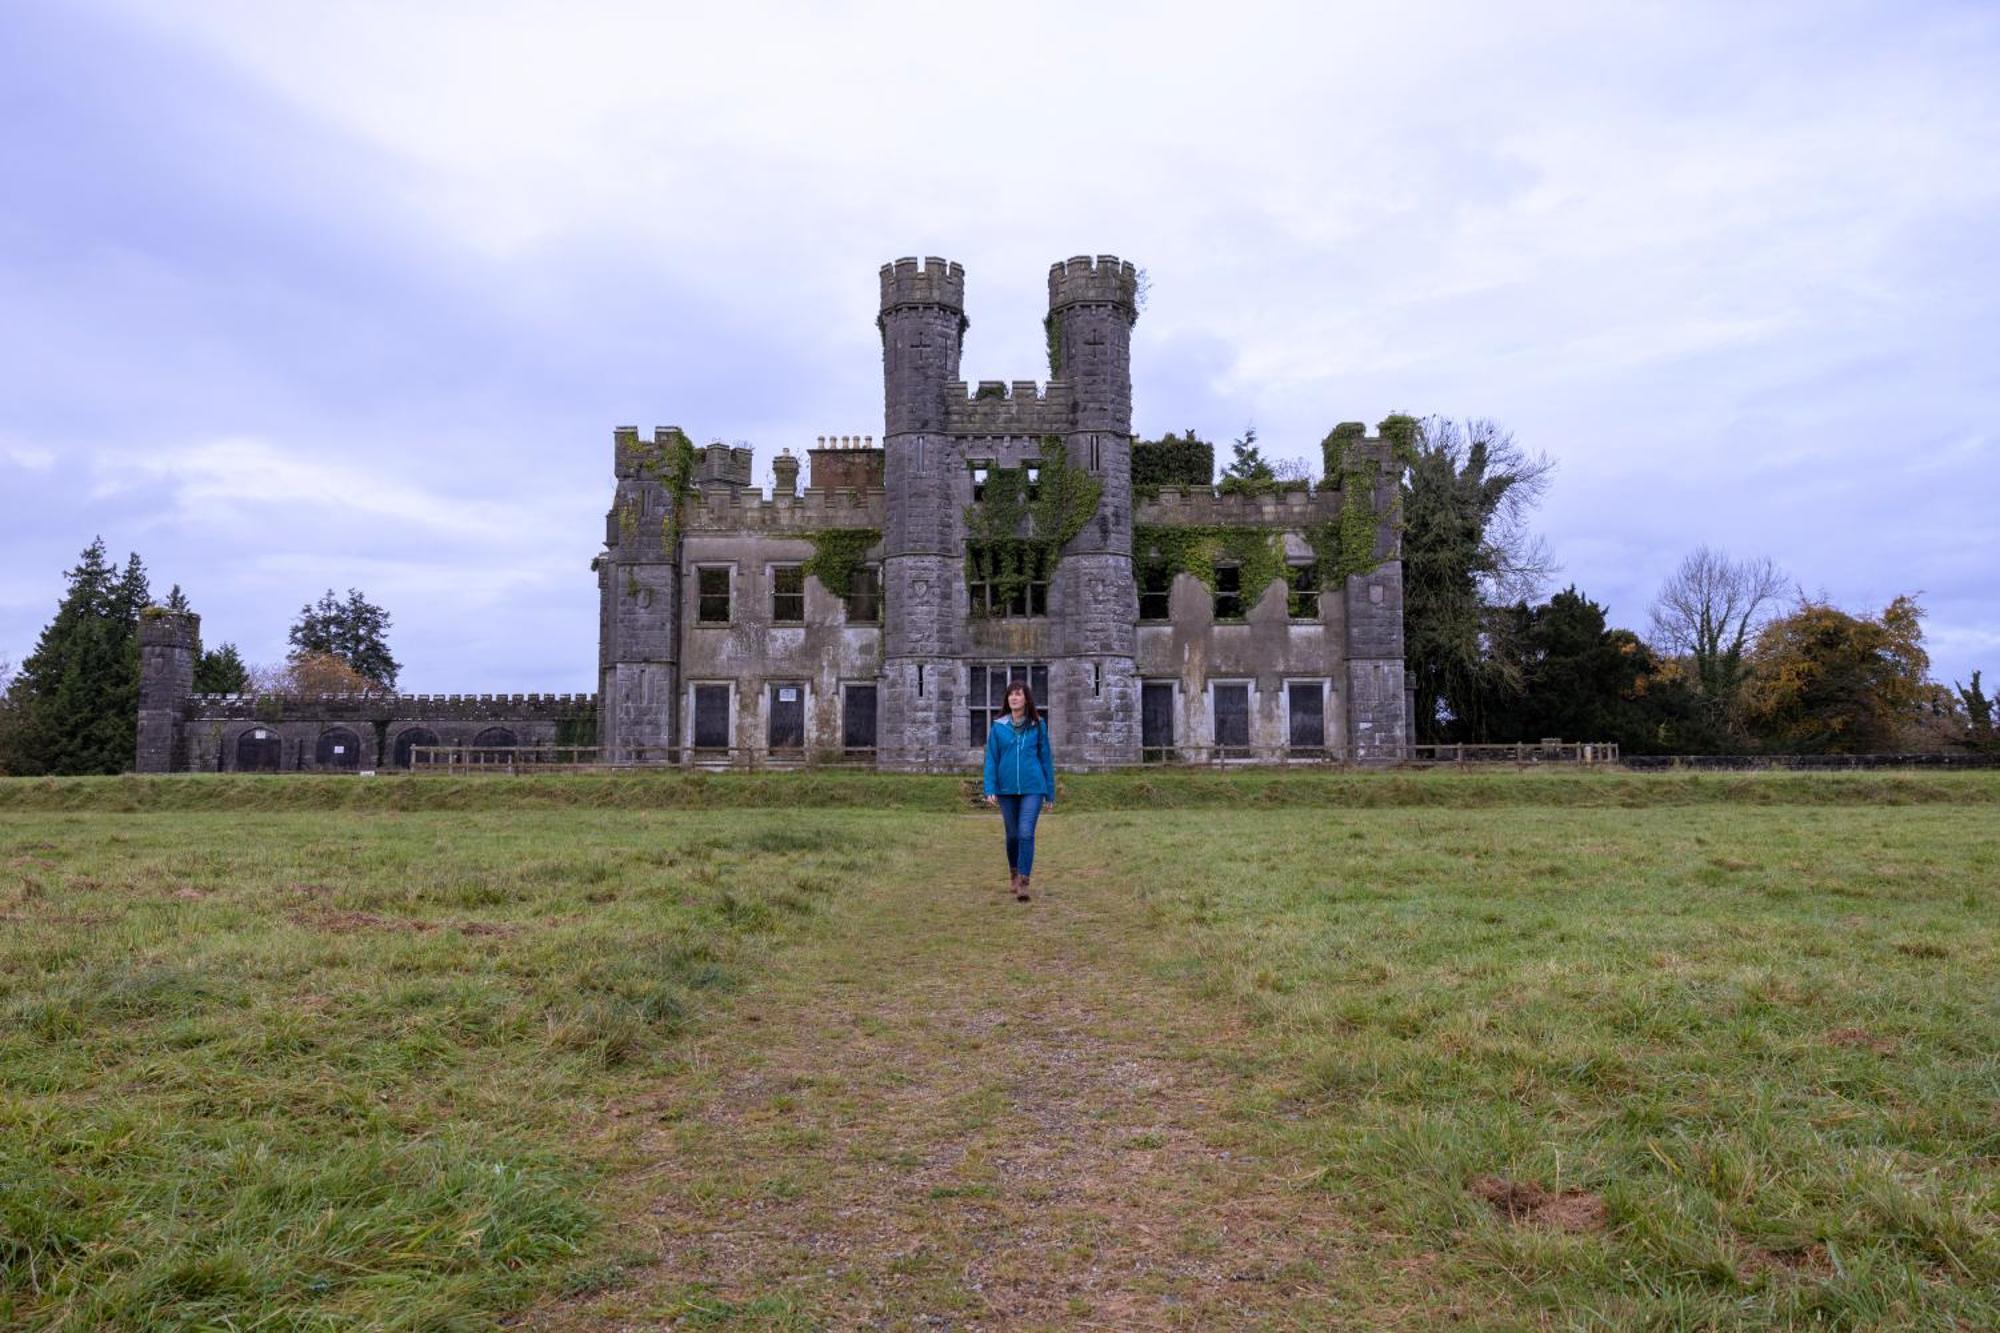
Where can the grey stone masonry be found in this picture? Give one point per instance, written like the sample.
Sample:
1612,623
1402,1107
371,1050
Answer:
718,642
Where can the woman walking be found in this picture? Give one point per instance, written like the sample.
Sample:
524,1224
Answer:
1020,779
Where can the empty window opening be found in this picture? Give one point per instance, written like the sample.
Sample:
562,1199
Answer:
1228,592
1008,578
1302,594
864,596
788,594
712,595
1156,592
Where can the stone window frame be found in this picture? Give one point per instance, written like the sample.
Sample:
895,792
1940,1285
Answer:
1293,592
1034,603
772,572
1326,702
1177,689
977,470
728,571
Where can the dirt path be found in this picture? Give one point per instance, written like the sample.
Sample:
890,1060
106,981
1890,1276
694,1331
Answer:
950,1110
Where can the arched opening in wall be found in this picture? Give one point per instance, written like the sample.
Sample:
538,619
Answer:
491,746
259,750
338,748
408,739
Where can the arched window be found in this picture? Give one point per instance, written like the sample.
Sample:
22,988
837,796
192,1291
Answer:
259,750
408,739
491,746
338,748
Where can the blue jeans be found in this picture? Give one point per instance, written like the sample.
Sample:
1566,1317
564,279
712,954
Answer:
1018,814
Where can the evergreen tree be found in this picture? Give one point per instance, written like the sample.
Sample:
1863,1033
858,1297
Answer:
75,703
1248,472
355,631
221,672
1979,733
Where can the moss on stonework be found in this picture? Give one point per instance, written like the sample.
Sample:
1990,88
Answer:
1052,328
668,461
837,554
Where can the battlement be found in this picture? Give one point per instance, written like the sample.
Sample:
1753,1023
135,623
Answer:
630,455
1106,280
382,705
164,627
997,408
1199,507
813,509
934,282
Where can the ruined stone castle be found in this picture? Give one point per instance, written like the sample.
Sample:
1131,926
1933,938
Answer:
997,532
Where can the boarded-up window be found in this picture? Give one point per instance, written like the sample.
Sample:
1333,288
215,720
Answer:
712,595
1232,718
259,750
338,748
1306,704
1156,721
788,594
787,717
711,717
857,718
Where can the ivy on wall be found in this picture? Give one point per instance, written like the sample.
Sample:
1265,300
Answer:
1052,329
670,462
1015,534
837,554
1172,460
1198,549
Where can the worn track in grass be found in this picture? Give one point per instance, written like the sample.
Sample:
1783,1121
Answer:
953,1110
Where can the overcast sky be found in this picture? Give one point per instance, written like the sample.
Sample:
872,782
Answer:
299,295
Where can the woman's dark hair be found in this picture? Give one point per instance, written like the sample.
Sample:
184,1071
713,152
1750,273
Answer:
1028,713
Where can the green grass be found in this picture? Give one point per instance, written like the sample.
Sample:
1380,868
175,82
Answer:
330,1071
1768,1040
297,1053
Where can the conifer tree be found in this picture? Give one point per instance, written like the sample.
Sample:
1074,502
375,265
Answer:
355,631
75,702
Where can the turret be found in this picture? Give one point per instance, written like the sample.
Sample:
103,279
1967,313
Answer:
168,641
923,327
1092,307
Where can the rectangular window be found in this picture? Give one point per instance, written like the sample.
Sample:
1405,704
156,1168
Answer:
1156,721
711,717
1305,701
988,693
1156,592
1007,578
788,717
712,595
857,719
864,597
1302,595
1232,721
788,595
1034,471
1228,592
981,469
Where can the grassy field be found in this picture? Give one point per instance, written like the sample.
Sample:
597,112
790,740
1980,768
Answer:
1543,1050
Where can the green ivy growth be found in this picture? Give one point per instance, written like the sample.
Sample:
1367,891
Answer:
1053,330
671,463
1345,545
1172,460
1257,553
837,554
579,730
1013,538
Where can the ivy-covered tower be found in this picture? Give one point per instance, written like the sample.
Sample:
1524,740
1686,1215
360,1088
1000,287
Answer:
922,322
639,596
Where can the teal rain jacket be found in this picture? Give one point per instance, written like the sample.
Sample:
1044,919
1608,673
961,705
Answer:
1018,763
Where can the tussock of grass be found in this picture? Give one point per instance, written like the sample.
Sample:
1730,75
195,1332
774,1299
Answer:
1144,789
345,1069
1764,1039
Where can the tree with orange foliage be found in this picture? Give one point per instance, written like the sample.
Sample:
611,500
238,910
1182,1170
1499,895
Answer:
1826,682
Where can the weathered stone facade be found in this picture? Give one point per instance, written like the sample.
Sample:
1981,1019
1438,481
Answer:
719,641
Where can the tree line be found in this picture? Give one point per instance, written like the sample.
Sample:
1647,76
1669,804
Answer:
71,706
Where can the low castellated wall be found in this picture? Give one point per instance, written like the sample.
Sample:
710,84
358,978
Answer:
345,732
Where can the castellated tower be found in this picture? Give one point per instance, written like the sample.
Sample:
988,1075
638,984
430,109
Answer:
167,645
923,327
638,586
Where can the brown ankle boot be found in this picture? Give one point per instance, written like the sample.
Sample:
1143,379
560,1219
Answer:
1021,888
1014,880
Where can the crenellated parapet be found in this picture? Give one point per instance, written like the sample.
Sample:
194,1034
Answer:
812,510
994,407
932,282
365,706
1104,280
1197,507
